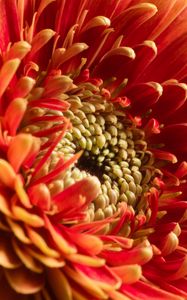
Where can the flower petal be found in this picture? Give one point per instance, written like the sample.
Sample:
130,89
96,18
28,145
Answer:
142,290
87,189
7,72
137,255
7,174
14,114
27,259
24,281
62,287
8,258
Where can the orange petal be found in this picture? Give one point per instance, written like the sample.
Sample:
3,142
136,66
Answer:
7,72
14,114
4,206
86,283
50,262
22,195
78,296
7,174
40,39
23,87
129,274
59,283
22,143
8,258
40,196
27,217
72,51
90,243
86,260
95,22
57,85
29,262
7,293
18,231
114,295
41,244
18,50
170,243
24,281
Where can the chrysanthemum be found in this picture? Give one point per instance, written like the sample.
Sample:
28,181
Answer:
92,149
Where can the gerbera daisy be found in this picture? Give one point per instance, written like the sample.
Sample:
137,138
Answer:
93,149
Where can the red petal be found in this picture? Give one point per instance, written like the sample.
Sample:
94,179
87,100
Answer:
173,97
137,255
143,96
118,59
8,16
142,290
85,191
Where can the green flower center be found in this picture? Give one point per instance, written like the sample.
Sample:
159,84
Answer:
114,150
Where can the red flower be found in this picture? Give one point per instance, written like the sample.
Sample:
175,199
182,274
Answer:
93,149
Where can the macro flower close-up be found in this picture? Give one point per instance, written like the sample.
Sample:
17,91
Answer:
93,149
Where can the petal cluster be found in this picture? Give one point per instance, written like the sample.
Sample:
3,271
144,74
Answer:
131,55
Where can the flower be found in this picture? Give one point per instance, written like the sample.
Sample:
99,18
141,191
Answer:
92,149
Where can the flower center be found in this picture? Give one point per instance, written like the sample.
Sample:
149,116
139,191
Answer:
114,150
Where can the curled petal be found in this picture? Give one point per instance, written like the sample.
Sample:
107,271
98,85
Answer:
90,243
118,59
27,217
40,196
95,22
87,189
137,255
39,241
18,231
21,143
24,281
129,274
62,55
47,261
7,72
23,87
7,174
58,85
19,50
143,96
14,114
40,39
86,260
169,244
